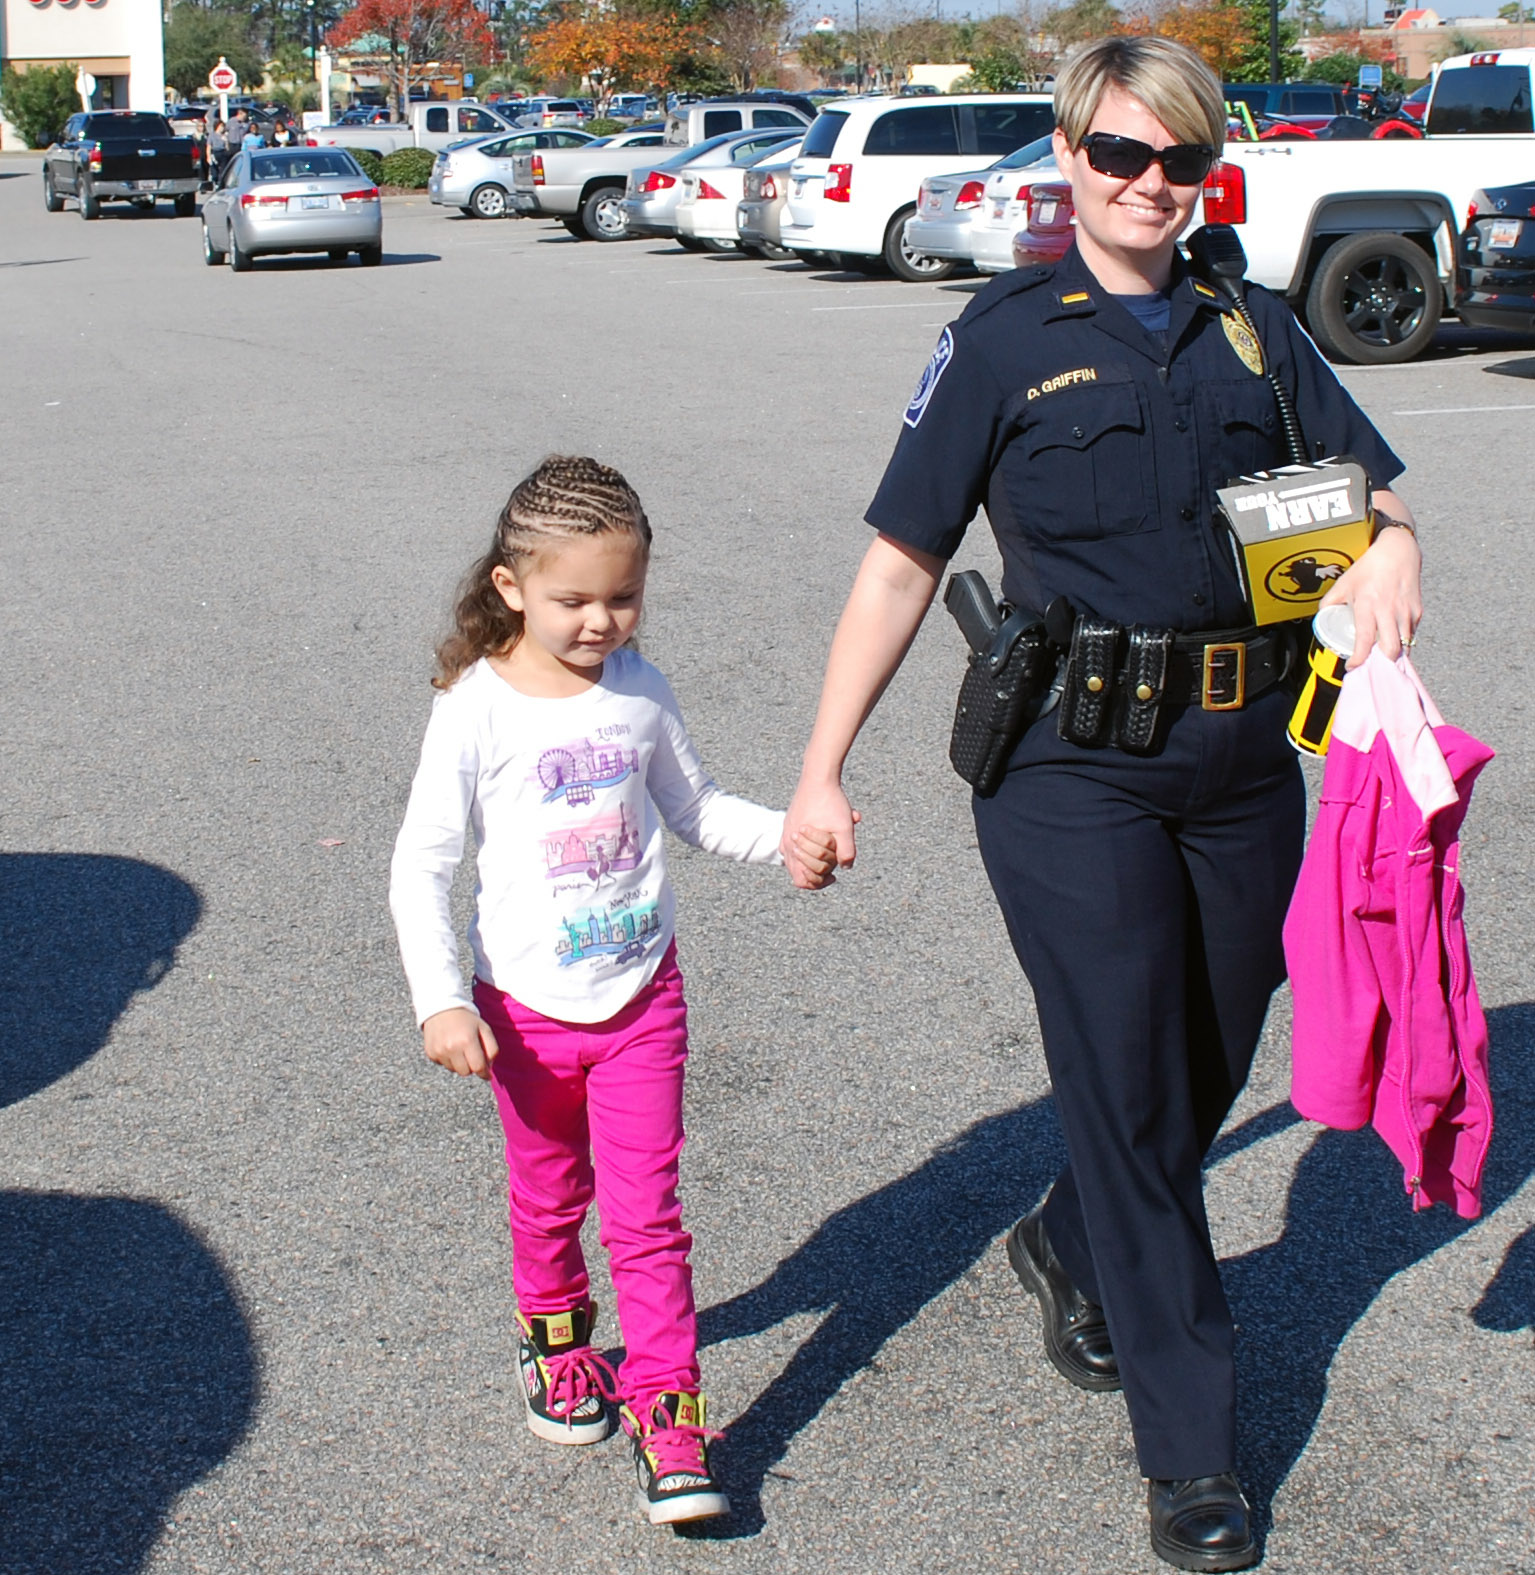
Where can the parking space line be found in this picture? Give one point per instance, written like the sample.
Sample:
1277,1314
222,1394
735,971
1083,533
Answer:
1463,410
875,306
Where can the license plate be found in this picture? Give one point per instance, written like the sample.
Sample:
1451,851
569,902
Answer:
145,185
998,208
1047,211
314,202
1504,233
934,202
799,187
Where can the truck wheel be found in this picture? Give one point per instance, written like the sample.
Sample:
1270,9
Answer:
90,203
904,263
239,262
52,201
210,255
711,244
186,204
370,256
602,215
1375,299
576,228
488,201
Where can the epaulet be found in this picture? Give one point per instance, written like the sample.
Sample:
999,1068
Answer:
1004,287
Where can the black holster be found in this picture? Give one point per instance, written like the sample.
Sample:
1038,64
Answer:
1115,682
1000,696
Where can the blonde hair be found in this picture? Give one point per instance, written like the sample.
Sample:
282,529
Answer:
567,496
1168,78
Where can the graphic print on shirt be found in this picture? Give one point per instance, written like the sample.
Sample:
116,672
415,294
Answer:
622,935
576,772
594,849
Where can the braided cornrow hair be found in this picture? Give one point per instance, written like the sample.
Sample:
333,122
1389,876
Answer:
568,495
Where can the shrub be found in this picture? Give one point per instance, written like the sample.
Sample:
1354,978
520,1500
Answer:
39,101
605,126
372,163
410,167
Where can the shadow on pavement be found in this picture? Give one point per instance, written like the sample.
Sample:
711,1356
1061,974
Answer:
83,933
1523,367
1349,1230
871,1268
38,262
128,1373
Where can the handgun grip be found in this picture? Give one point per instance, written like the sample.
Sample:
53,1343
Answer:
969,600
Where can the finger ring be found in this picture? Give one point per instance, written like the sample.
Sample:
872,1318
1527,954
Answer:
1410,640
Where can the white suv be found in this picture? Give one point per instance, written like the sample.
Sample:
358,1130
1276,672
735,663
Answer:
855,183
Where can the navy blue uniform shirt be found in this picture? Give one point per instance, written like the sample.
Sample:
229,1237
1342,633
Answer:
1096,451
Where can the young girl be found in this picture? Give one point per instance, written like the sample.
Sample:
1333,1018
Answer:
559,743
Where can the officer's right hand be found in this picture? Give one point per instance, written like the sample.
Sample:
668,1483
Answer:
823,806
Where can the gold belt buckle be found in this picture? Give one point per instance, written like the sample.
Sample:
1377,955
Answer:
1223,678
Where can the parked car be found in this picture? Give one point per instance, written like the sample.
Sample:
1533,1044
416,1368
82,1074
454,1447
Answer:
1495,272
1006,200
1049,225
853,186
584,187
1308,104
1415,105
690,124
653,191
476,176
279,200
364,115
706,211
431,125
950,206
764,190
553,112
121,155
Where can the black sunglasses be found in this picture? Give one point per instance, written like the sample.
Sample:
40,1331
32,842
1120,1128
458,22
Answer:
1184,164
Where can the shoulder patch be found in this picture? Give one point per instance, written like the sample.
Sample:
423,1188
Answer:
943,353
1074,299
1205,290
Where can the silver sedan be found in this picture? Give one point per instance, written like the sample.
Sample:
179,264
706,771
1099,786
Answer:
277,200
653,192
476,176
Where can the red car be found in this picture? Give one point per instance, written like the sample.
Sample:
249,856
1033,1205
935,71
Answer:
1051,227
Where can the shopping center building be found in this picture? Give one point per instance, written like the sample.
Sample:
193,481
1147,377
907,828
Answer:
117,41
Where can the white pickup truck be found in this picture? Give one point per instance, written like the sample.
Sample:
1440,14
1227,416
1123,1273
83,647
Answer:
1360,236
432,126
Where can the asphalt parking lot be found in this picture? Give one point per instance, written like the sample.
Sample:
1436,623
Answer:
254,1301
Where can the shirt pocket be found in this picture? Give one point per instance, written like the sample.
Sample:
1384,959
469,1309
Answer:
1243,420
1091,471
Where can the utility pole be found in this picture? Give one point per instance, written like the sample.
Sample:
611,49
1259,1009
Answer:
858,41
314,56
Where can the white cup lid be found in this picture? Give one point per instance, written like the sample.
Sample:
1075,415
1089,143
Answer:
1334,627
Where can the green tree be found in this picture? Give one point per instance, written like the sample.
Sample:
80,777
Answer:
1342,70
997,70
195,37
1513,12
1251,63
1080,21
826,54
39,101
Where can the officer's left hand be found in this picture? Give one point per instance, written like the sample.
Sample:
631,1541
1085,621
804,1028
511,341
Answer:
1383,588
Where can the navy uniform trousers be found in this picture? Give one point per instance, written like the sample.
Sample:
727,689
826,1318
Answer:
1145,898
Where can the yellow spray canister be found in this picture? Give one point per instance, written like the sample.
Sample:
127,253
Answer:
1332,643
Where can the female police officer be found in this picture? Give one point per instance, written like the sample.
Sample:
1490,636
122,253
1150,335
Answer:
1094,409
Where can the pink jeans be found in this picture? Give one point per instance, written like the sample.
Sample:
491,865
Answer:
595,1109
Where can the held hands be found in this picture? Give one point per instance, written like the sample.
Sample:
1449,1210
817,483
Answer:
460,1040
1384,591
818,835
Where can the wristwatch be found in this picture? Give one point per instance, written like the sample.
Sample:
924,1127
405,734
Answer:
1386,522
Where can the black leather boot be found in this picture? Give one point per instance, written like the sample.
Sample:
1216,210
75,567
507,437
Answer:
1202,1524
1076,1334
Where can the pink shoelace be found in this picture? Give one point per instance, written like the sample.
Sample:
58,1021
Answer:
677,1447
573,1376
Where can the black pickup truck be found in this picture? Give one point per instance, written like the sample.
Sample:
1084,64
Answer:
121,154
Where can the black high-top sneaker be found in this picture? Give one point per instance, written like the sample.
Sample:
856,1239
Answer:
671,1457
565,1383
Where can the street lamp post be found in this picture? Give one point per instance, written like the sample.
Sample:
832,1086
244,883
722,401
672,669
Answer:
314,53
858,41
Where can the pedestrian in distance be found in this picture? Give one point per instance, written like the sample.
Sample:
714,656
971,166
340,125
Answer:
1143,868
219,152
559,742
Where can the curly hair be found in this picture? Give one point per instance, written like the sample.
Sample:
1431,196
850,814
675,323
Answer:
567,496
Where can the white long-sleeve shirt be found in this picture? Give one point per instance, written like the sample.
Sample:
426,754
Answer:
573,910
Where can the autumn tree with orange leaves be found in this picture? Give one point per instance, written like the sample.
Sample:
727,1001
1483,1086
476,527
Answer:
615,51
410,34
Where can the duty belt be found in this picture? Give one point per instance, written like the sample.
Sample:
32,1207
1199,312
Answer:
1116,680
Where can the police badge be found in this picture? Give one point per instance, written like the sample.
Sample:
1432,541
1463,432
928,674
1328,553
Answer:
1244,342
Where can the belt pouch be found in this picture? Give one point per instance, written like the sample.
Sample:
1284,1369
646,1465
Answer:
1143,683
995,706
1087,698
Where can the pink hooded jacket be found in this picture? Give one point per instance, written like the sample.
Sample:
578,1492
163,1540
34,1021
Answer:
1388,1028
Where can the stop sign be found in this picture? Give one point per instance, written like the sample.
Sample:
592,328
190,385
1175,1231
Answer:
222,78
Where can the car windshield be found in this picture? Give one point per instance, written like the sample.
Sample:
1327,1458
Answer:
748,152
1030,153
698,149
308,165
